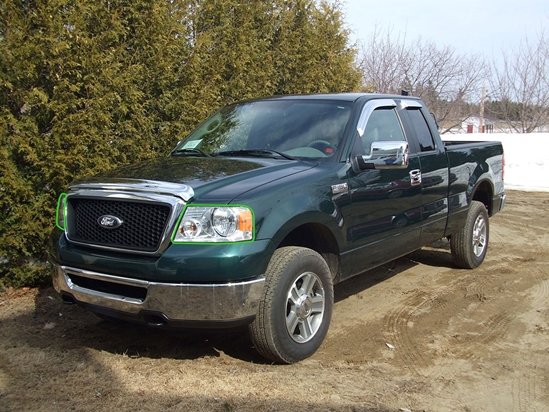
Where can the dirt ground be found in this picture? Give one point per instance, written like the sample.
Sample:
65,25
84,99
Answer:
415,335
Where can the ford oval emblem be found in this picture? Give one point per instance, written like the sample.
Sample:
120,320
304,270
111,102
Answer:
109,222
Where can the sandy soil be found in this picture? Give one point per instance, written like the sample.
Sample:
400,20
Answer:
417,334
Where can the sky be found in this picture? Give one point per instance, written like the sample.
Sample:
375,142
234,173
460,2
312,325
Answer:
470,26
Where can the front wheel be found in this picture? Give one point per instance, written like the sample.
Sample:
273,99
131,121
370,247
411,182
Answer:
470,244
295,311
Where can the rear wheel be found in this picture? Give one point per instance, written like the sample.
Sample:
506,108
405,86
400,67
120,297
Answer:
470,244
295,311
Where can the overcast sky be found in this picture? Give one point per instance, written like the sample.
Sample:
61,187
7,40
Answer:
470,26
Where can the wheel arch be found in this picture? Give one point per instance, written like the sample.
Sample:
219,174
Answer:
484,193
481,186
318,237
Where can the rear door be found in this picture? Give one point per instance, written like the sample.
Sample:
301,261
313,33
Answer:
434,169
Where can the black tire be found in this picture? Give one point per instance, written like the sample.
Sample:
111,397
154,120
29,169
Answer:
470,244
296,308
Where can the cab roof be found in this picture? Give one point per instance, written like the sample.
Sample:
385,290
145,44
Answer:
346,97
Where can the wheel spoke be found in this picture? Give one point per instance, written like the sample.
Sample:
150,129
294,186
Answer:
293,295
308,283
306,329
318,304
291,322
479,227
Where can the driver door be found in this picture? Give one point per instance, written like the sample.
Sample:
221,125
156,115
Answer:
383,221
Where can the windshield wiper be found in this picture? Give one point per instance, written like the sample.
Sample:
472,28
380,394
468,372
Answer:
193,151
254,152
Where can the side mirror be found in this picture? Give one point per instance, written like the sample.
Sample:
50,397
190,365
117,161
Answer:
384,155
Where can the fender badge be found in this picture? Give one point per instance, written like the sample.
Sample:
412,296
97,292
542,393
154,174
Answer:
109,221
340,188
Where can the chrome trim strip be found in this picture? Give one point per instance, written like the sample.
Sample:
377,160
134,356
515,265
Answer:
109,278
184,192
177,301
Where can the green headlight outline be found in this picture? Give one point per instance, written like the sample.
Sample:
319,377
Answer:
186,242
61,200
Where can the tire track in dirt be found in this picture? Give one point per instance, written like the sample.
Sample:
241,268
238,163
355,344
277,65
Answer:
540,296
396,323
524,390
410,347
495,327
399,322
476,288
357,307
527,390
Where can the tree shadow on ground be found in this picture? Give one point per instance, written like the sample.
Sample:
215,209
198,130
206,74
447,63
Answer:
56,357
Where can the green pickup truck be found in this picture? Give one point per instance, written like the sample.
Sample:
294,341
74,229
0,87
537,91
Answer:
255,215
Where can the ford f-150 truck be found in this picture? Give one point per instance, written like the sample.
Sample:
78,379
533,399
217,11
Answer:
255,215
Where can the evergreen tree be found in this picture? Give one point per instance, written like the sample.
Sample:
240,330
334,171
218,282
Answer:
87,85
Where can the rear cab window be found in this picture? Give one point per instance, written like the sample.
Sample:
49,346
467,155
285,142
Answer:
415,123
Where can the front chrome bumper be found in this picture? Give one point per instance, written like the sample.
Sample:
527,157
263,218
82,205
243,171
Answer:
159,304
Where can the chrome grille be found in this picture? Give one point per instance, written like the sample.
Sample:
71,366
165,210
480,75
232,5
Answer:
142,228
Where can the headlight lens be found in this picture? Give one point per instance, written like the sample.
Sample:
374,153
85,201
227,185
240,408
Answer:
61,212
215,224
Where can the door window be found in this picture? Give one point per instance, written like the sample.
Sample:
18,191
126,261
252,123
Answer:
383,125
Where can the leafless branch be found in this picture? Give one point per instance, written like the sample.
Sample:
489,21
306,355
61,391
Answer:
448,83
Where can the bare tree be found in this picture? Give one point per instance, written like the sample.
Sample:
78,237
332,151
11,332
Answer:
448,83
384,52
520,86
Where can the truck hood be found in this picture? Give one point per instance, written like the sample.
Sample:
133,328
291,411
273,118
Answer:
201,179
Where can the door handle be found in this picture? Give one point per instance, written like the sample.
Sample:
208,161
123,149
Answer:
415,177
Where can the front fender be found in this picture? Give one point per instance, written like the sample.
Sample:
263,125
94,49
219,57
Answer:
281,217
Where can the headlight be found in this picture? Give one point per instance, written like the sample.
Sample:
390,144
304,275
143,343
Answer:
215,224
61,212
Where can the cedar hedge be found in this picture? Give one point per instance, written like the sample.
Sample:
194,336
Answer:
88,85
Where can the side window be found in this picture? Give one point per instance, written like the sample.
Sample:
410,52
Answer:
383,125
423,133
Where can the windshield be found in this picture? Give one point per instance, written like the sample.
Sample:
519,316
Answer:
274,128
